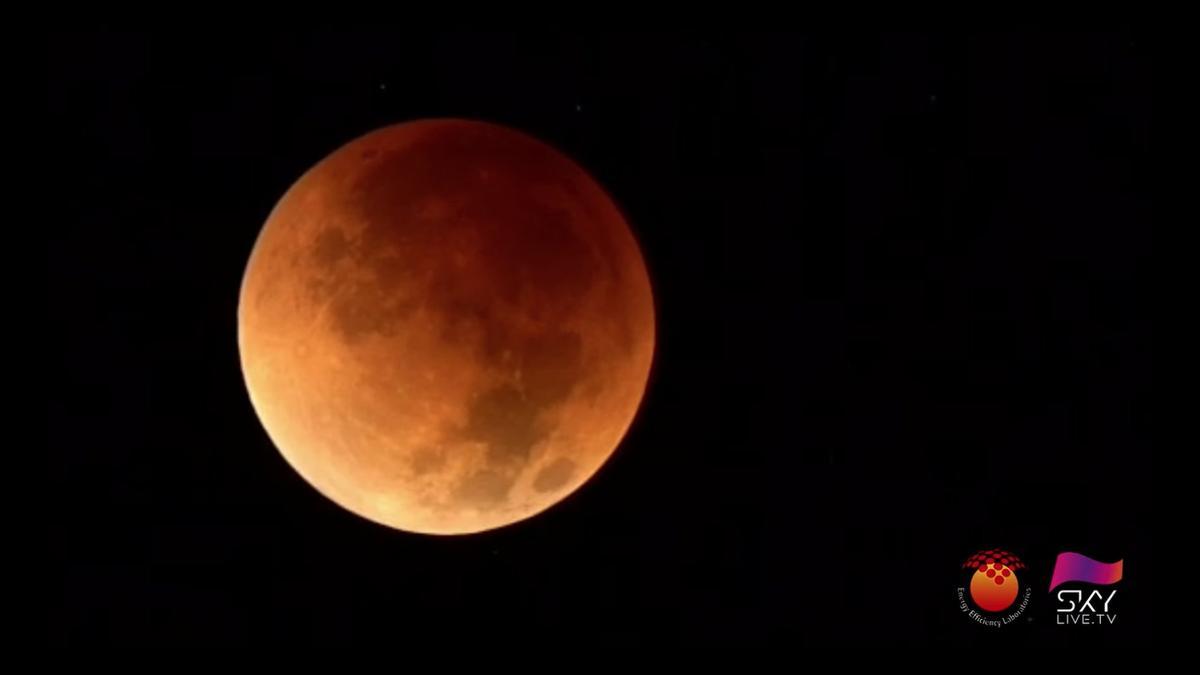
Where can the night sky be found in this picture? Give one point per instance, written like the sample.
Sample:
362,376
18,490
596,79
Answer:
903,315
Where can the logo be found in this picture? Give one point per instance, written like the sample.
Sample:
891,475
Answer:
1085,606
992,594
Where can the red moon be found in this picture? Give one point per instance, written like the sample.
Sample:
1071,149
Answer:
446,326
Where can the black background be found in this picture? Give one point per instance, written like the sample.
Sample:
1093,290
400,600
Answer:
902,302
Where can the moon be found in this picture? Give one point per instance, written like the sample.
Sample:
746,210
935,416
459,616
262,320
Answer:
446,326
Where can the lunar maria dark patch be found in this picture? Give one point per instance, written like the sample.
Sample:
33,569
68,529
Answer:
554,476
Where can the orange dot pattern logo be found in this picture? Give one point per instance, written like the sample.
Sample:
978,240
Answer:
994,584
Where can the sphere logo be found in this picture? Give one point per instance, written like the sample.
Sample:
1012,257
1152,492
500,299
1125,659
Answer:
993,586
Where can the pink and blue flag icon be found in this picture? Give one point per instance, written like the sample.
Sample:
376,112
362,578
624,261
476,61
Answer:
1079,567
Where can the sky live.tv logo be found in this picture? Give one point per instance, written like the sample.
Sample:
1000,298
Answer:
1079,603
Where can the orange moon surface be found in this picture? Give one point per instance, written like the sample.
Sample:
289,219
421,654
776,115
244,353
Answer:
446,326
